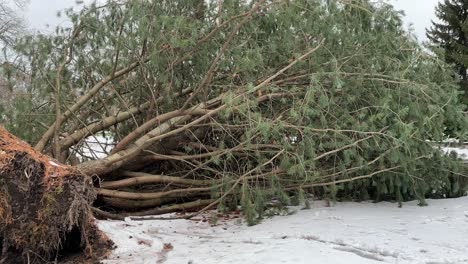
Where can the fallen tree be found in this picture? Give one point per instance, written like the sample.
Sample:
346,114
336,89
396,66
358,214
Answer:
223,104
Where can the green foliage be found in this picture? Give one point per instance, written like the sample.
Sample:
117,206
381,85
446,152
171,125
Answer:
451,35
353,119
20,118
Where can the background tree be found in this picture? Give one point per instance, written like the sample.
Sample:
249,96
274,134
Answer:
11,25
13,75
451,34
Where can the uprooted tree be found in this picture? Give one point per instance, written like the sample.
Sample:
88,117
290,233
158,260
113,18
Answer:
190,105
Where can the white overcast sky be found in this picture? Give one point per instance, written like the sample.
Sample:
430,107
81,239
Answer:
40,13
418,13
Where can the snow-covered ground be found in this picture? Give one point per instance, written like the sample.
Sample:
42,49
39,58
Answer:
348,233
461,152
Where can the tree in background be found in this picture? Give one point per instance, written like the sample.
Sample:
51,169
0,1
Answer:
13,75
451,34
11,28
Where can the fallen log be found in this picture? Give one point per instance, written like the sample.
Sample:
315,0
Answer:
45,209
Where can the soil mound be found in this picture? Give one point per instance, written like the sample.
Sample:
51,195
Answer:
45,209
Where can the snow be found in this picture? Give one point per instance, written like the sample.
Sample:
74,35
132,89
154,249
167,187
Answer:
96,147
461,152
347,233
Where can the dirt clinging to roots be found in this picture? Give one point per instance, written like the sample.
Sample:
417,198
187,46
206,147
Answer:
44,209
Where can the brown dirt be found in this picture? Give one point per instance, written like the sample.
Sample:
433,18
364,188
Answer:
45,209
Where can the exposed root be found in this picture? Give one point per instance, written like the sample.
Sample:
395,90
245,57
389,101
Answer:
43,206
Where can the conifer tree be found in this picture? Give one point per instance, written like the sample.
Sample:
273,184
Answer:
13,77
451,34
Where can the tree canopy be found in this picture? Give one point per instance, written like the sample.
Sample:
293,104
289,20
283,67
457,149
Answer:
227,102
